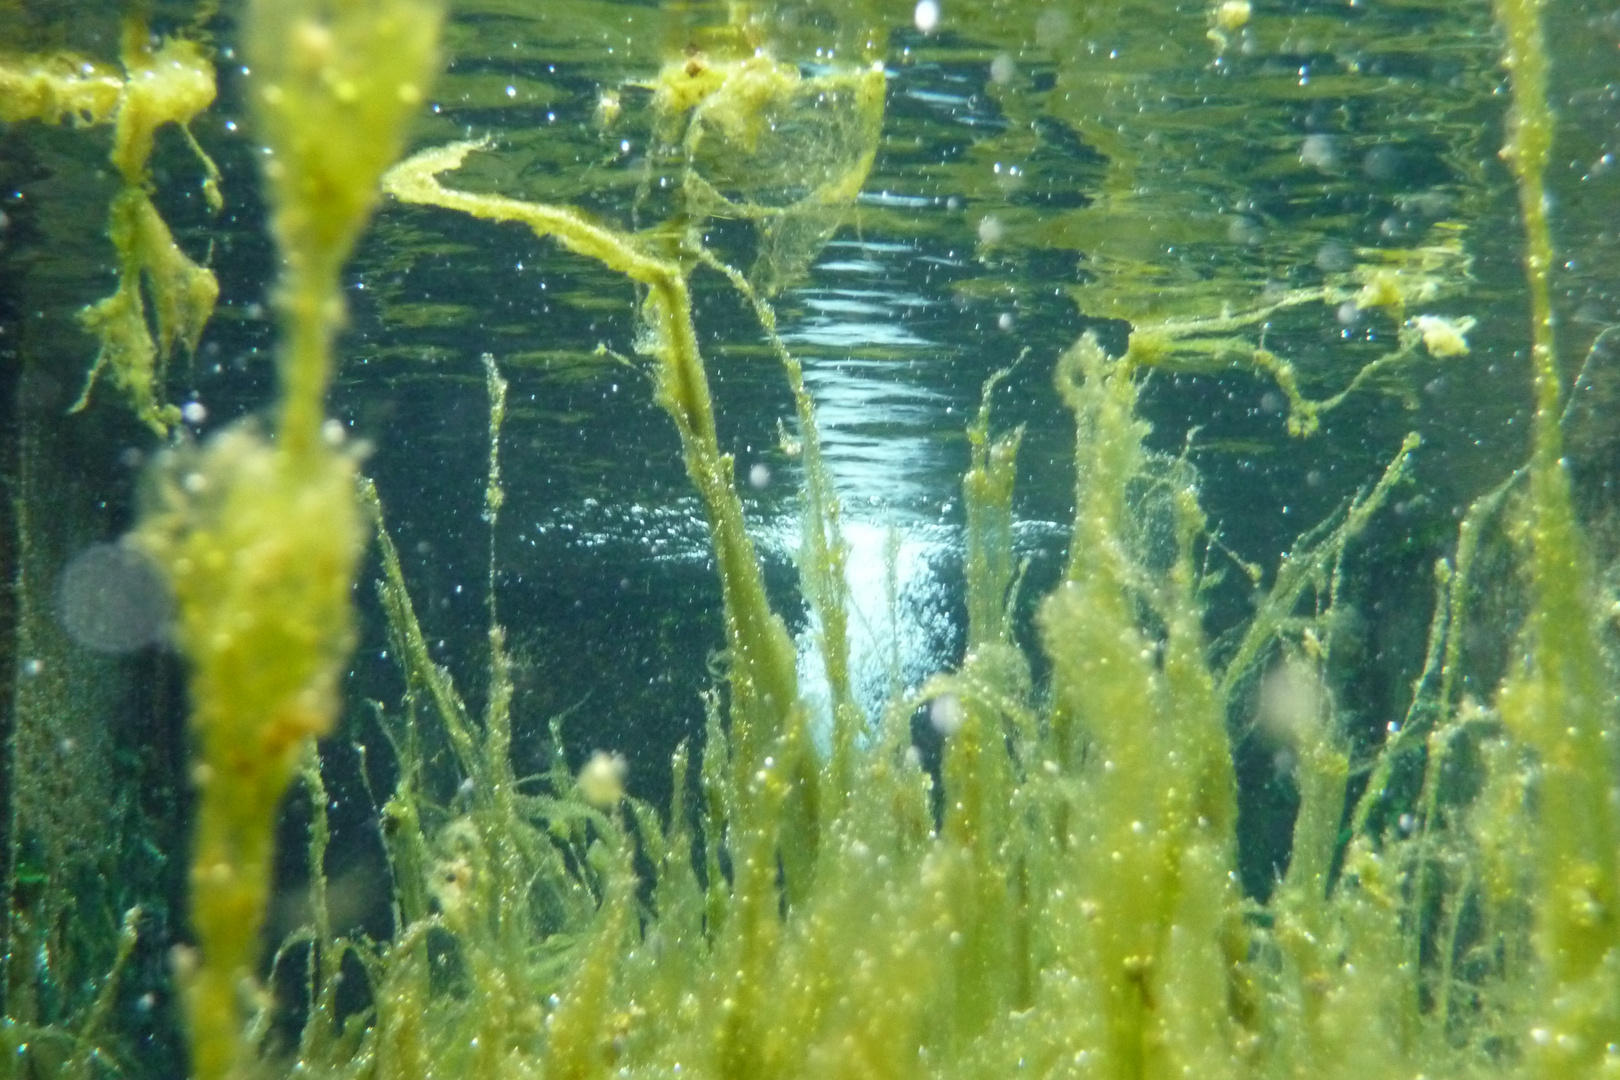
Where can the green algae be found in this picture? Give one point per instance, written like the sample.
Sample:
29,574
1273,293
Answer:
1560,701
171,82
260,539
1072,907
1063,911
1067,914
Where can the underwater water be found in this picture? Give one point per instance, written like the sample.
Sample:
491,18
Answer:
1216,735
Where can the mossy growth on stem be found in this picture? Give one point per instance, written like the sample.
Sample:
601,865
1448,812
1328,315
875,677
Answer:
1559,700
261,551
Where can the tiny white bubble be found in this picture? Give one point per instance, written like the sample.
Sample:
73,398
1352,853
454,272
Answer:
511,91
927,15
759,477
194,412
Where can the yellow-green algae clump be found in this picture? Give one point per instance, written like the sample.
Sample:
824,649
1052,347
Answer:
166,82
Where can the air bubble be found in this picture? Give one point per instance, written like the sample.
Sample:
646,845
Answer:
945,714
927,15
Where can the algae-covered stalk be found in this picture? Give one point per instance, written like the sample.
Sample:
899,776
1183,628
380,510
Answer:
261,536
1558,702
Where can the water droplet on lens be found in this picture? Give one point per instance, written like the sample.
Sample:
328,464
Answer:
1245,230
113,599
1334,257
1318,152
1382,163
945,714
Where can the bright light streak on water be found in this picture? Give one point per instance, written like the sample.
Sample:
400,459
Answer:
837,304
878,420
935,97
889,198
900,628
852,266
879,424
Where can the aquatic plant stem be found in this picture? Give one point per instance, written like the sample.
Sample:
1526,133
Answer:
1558,703
311,315
824,556
261,538
771,781
764,678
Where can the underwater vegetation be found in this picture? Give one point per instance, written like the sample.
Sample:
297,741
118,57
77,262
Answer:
1056,892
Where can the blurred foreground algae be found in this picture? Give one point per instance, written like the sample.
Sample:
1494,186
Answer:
1061,898
261,539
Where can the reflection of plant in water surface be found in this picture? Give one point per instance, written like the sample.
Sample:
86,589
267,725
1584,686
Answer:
1059,897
